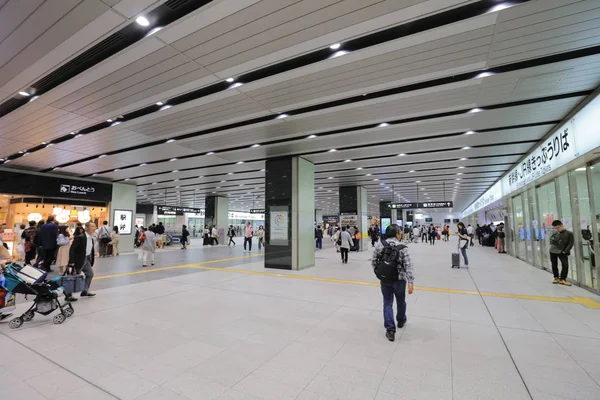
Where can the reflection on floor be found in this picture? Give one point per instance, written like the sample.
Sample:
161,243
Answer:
190,330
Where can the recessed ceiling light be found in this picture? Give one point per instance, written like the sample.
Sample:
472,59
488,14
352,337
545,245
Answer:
383,124
401,155
102,156
463,159
255,145
165,107
376,179
73,133
230,173
160,103
143,21
171,140
176,170
368,175
263,170
335,46
418,182
484,74
92,174
469,132
460,173
34,98
116,170
412,170
475,110
142,164
280,116
339,53
347,160
331,177
237,84
173,159
24,93
359,168
332,150
109,120
458,179
210,153
466,148
230,80
461,167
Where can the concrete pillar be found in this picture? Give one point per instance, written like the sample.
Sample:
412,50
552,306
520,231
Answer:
217,214
124,199
394,216
289,214
353,209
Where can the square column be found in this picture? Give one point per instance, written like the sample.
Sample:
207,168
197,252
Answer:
289,213
217,214
353,211
319,218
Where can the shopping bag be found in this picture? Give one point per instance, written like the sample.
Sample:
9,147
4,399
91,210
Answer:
72,283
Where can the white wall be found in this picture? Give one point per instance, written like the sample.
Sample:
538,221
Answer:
124,198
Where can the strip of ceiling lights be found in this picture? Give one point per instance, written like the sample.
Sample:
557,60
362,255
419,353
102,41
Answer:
360,128
431,22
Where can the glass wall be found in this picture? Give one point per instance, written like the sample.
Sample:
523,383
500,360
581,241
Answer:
573,198
548,212
519,224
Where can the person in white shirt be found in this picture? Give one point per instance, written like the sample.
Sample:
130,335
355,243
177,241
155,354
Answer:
471,233
416,233
215,236
148,247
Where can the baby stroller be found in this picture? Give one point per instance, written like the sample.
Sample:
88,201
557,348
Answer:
32,281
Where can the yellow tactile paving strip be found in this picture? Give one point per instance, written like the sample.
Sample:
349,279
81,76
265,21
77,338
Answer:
584,301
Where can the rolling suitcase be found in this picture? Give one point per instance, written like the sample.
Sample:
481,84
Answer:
455,259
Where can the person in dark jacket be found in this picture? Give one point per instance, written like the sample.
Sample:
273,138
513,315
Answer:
159,230
319,237
81,257
48,235
184,237
561,243
28,242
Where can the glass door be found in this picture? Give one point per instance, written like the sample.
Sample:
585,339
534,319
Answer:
527,226
566,216
548,211
582,224
594,181
519,224
535,228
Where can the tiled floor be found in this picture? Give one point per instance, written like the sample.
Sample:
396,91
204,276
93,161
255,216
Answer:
194,334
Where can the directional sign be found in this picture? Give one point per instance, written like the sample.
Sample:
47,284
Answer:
257,211
431,204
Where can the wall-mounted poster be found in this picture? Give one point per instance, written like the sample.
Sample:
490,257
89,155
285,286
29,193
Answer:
385,222
350,219
123,219
279,223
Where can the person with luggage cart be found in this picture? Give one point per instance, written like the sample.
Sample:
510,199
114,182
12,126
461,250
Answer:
463,241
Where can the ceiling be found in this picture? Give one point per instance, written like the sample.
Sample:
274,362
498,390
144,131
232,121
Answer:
423,100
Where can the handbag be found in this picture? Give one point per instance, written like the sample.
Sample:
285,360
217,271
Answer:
72,283
62,240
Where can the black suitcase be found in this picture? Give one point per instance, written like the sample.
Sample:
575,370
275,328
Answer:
455,260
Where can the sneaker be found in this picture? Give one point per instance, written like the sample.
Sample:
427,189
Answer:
555,281
390,335
401,324
144,266
87,294
564,282
71,299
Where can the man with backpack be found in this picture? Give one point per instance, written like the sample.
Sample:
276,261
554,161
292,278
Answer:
104,238
393,267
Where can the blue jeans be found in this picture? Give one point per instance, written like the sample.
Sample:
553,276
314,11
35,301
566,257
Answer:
389,291
463,250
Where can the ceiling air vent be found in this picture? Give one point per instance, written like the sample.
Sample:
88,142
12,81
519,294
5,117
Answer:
80,63
173,4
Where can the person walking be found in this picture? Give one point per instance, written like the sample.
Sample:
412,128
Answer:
393,266
148,247
49,234
205,236
561,243
214,233
416,233
424,234
185,234
375,236
432,235
479,233
345,245
248,233
463,241
64,245
336,239
159,231
260,235
319,237
81,257
114,240
471,233
103,238
231,235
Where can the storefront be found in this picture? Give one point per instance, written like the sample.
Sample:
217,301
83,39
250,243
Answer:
559,179
25,198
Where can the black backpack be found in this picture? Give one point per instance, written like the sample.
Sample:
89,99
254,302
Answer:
388,261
